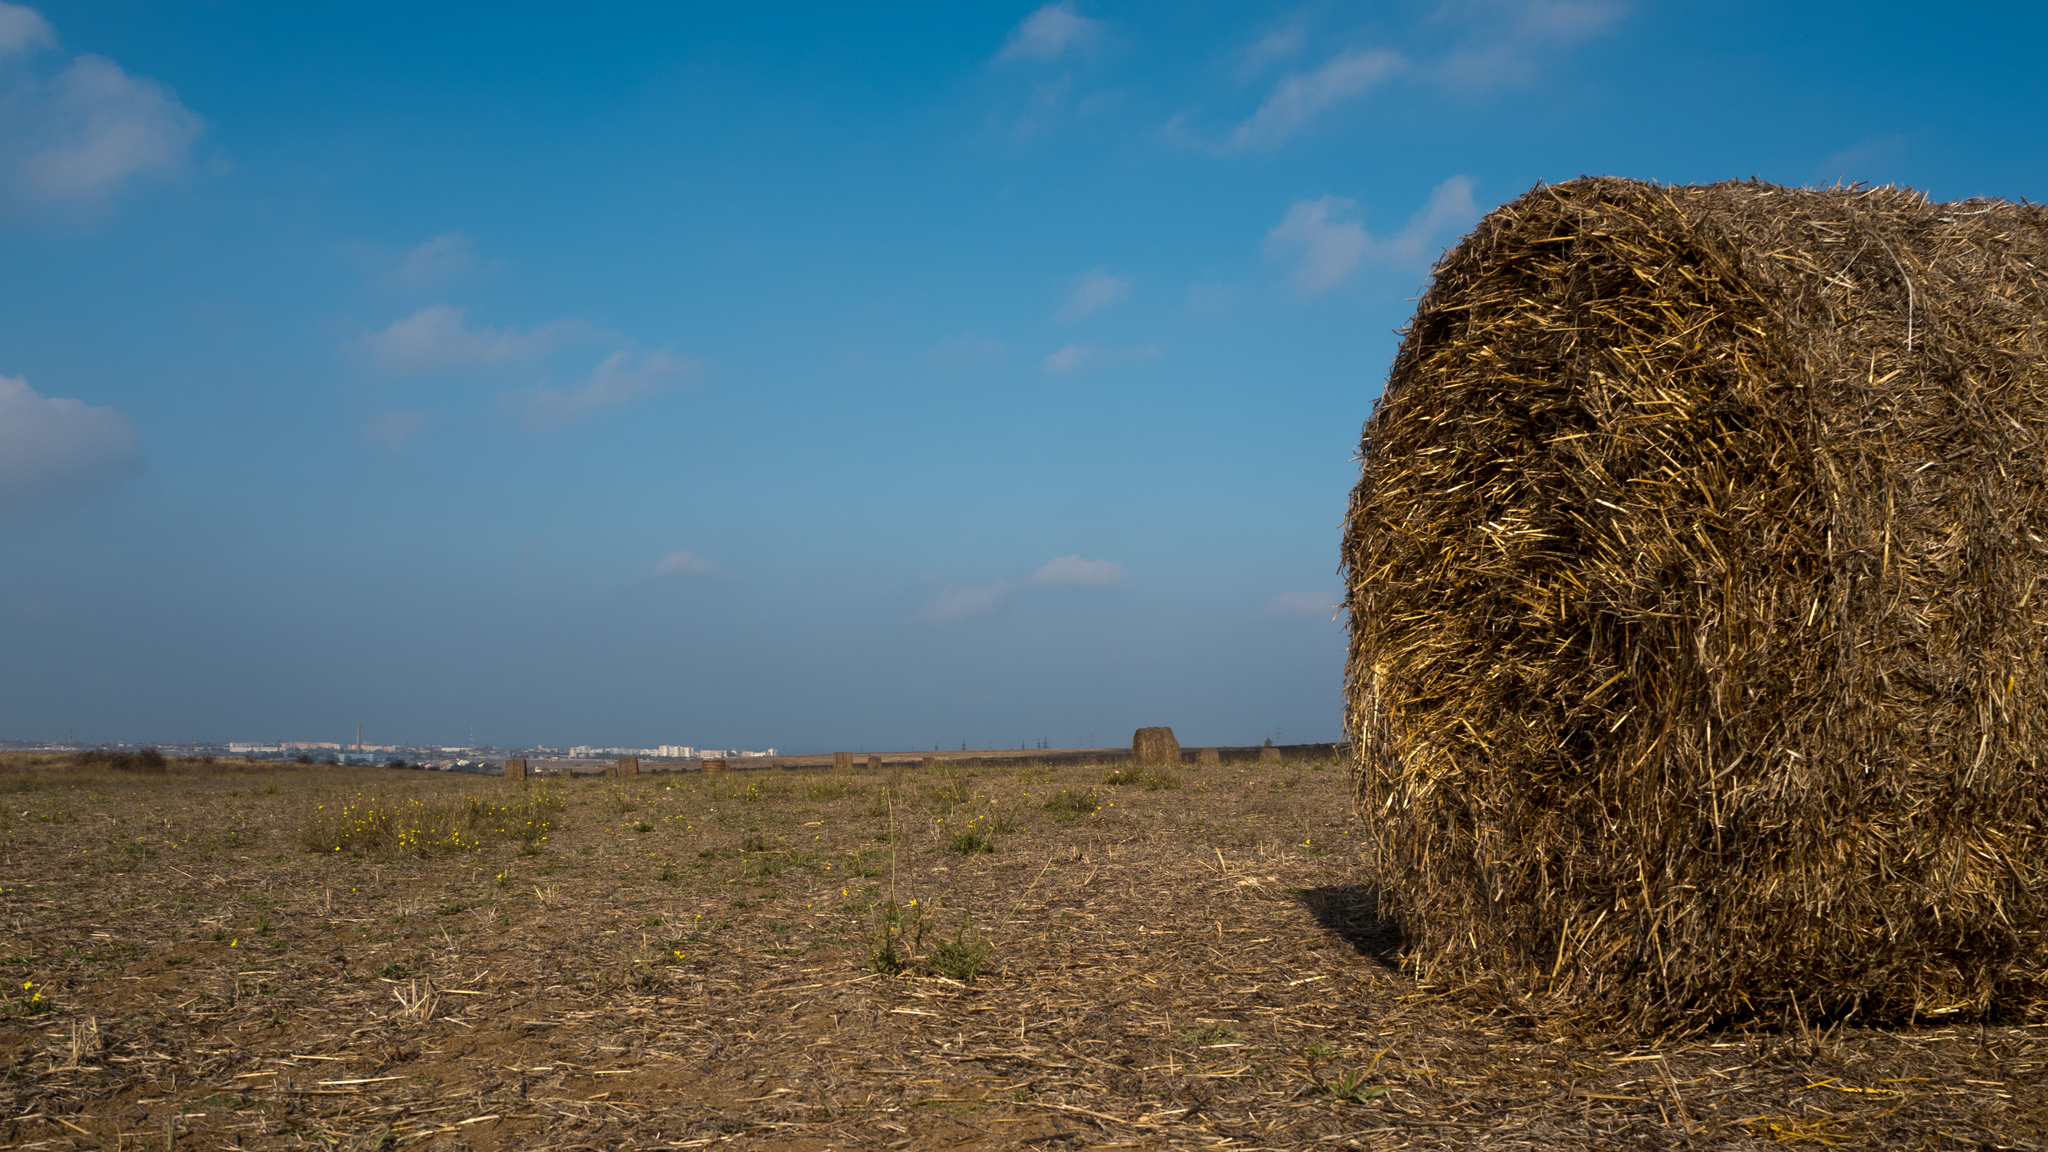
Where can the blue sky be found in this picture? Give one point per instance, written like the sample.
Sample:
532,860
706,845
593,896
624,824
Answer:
809,376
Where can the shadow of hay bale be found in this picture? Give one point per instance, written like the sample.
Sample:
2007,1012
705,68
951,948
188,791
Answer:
1352,912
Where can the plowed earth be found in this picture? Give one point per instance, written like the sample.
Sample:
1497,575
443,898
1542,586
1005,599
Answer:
685,963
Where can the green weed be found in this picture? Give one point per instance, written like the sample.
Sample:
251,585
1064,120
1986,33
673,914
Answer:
456,825
1351,1087
976,836
1068,803
1149,777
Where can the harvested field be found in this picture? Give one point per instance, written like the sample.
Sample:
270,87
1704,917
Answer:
1187,959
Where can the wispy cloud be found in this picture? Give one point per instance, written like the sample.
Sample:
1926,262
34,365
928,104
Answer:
24,29
1050,32
958,602
439,260
1510,38
612,383
1871,158
1075,570
1209,298
687,565
963,602
1329,248
1093,291
78,136
967,353
1296,101
391,430
437,337
52,449
1322,604
1272,48
1084,357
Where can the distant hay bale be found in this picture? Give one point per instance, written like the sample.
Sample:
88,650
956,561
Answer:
1698,585
515,769
716,764
1208,756
627,766
1155,746
1269,755
874,763
842,761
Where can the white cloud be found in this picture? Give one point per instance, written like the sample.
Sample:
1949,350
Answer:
963,601
1047,33
968,352
436,337
1074,570
1271,49
449,256
53,448
23,29
1297,100
1079,357
1870,159
1449,207
1511,36
1322,604
612,383
1208,298
687,564
1569,19
1329,249
1093,290
392,429
78,136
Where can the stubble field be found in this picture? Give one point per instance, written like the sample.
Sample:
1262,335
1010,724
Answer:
262,956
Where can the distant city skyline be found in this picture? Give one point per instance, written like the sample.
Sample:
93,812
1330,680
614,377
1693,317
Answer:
798,376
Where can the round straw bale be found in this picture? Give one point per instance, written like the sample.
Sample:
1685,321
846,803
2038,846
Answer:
1155,746
1698,588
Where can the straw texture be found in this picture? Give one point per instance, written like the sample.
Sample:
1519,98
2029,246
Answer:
1155,746
1696,574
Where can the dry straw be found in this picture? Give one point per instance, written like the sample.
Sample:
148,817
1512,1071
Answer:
1698,582
1155,746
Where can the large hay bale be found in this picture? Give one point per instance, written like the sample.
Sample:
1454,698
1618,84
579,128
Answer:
1155,746
515,769
1698,575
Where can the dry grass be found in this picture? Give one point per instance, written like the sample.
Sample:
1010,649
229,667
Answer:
1695,579
1196,967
